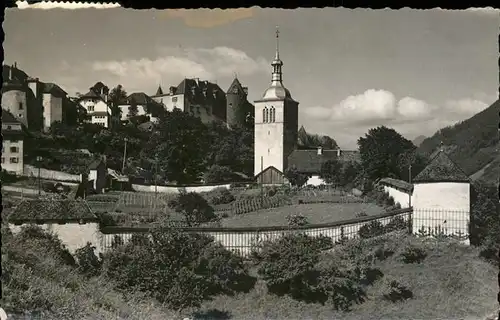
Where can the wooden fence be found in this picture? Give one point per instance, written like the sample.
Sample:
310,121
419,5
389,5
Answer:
243,240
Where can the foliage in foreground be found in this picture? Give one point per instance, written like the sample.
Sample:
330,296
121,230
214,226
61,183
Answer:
194,208
178,269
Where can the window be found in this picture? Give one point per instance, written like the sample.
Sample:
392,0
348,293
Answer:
13,149
273,115
174,99
20,115
20,106
91,108
265,115
14,160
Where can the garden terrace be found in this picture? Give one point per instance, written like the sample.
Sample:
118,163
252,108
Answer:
52,210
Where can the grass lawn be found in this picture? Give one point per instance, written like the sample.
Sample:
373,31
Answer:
315,213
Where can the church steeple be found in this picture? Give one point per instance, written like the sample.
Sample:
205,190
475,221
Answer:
277,76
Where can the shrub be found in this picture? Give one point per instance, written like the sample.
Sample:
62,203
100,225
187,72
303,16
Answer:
361,214
396,223
287,266
395,292
296,220
178,269
88,263
221,196
413,254
389,200
217,174
193,207
372,229
106,219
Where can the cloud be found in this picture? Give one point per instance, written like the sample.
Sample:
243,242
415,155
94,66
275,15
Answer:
47,5
174,64
354,115
209,18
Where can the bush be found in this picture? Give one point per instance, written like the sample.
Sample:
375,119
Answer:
296,220
221,196
287,266
361,214
396,223
372,229
217,174
88,263
178,269
395,292
193,207
106,219
389,200
413,254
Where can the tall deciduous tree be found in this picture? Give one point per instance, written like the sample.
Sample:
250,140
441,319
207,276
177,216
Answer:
381,151
117,96
182,146
296,178
331,171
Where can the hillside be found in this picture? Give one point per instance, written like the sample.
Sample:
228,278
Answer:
472,144
418,140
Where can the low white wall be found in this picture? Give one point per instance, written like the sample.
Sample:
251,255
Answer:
444,206
401,197
315,181
164,189
32,171
73,235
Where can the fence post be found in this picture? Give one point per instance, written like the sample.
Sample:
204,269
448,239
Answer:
410,222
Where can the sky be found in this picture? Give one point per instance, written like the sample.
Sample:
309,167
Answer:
351,70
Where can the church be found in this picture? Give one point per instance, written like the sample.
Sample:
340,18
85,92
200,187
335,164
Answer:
276,131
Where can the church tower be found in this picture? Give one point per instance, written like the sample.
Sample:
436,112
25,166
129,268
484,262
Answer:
276,122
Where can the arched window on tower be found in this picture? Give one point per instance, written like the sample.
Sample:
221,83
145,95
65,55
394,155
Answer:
273,114
265,115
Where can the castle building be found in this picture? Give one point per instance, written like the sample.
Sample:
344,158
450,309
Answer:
276,127
202,99
238,109
35,104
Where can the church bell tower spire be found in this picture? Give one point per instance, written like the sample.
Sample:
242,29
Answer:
277,64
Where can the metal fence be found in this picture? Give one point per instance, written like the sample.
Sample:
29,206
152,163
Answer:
243,240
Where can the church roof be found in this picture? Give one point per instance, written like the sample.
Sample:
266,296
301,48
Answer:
442,169
277,92
90,95
309,161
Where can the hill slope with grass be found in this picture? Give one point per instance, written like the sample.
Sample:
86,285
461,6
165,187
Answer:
412,278
472,144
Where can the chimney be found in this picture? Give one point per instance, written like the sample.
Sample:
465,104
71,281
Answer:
320,150
197,81
245,89
338,152
15,64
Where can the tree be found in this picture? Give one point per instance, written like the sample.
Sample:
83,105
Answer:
296,178
413,159
380,151
117,96
182,146
132,109
193,207
217,174
331,171
350,171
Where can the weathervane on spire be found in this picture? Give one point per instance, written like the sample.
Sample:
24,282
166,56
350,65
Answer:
277,42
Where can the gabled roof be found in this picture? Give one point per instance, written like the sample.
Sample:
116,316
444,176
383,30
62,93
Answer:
159,92
95,164
204,91
139,98
53,88
236,85
442,169
8,117
90,95
267,169
309,161
46,209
